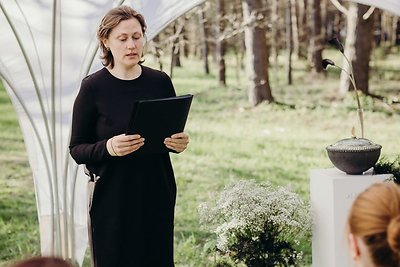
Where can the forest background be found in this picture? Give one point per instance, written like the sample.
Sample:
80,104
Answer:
264,108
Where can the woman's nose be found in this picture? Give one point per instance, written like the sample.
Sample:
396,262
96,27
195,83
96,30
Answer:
131,43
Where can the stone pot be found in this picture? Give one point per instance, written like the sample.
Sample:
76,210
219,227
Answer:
354,155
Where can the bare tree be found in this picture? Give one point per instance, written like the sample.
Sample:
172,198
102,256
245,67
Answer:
157,51
289,40
203,37
337,25
177,28
303,27
396,25
192,34
256,53
274,31
316,44
175,45
220,42
295,27
385,27
353,17
324,15
363,44
392,30
349,49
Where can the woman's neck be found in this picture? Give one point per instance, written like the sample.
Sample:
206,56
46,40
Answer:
126,73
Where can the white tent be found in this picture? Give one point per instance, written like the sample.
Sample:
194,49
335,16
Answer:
47,47
392,6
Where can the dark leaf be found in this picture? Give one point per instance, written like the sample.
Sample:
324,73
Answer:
325,62
337,44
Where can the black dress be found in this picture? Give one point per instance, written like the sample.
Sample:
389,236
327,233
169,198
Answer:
132,210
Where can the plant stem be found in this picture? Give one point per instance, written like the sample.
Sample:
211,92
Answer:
359,109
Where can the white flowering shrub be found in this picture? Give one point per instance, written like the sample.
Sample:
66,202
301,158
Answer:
257,224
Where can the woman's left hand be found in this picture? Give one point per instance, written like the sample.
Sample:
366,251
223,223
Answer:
177,142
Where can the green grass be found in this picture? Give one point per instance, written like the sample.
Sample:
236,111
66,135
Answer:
229,141
19,231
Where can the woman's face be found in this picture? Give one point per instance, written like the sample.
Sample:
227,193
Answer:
126,42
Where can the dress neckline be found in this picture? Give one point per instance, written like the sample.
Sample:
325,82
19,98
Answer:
123,80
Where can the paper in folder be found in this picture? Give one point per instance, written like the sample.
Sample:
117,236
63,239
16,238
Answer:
156,119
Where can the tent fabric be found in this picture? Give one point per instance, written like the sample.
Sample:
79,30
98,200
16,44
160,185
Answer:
392,6
47,47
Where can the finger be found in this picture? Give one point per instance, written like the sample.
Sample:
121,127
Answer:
128,138
129,149
134,142
123,145
176,147
176,141
119,139
122,142
172,148
180,135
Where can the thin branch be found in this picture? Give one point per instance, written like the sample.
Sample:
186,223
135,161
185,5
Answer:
368,13
340,7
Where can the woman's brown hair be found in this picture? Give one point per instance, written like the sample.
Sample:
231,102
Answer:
375,217
109,22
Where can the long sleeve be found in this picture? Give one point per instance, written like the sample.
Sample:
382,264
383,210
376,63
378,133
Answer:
84,148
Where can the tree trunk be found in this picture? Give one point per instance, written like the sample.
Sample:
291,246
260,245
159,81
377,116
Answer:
295,27
394,27
175,50
256,54
289,43
349,48
303,28
157,51
377,26
397,39
316,45
185,39
363,44
324,14
274,31
220,43
203,38
337,27
176,47
392,32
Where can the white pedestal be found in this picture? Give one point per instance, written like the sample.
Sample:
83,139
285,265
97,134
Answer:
332,193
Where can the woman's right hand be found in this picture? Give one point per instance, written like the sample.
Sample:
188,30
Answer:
121,145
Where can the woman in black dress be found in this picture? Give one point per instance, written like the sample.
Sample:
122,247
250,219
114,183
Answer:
132,207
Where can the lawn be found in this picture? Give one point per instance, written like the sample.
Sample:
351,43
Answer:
230,141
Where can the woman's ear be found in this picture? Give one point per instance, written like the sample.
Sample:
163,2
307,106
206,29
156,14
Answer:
354,246
105,41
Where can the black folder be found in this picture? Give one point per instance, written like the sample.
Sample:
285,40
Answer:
156,119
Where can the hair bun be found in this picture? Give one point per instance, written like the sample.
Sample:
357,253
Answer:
393,234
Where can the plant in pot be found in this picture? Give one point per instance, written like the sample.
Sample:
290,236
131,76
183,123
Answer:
352,155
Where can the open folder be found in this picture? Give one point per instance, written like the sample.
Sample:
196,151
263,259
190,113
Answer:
157,119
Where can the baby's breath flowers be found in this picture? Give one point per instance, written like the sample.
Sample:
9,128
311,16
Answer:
258,224
327,62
